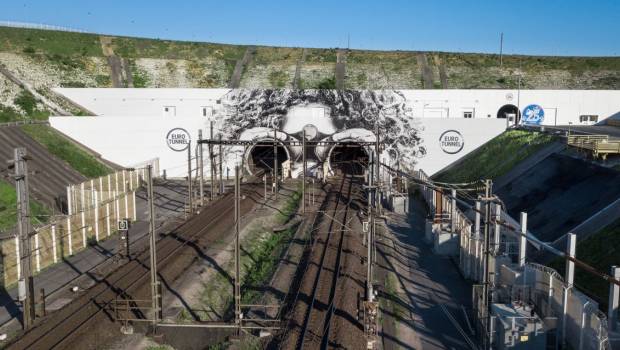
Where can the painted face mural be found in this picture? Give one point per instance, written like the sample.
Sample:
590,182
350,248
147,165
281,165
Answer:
328,111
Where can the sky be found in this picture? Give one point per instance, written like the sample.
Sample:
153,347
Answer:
538,27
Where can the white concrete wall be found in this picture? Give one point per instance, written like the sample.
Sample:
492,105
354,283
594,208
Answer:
131,126
560,106
475,133
130,140
144,102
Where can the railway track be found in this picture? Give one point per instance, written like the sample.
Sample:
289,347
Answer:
326,299
175,252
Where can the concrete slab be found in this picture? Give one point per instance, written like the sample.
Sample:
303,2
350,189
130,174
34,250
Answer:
559,193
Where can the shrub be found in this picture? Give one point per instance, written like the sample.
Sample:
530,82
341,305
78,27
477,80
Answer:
327,84
26,101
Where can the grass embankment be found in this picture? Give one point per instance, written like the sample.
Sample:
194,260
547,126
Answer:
496,157
59,146
29,109
212,64
8,208
261,251
601,251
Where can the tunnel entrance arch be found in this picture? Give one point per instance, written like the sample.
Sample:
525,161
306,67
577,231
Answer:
348,157
260,156
507,109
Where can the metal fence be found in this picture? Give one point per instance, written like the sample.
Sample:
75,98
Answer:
575,315
68,234
40,26
93,192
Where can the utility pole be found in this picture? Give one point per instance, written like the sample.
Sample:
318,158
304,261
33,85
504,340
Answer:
265,185
189,178
485,275
518,116
201,170
212,166
221,163
275,161
152,247
370,305
501,50
26,282
369,238
237,291
303,174
377,171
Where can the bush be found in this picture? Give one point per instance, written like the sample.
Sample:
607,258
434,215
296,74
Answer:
327,84
26,101
8,114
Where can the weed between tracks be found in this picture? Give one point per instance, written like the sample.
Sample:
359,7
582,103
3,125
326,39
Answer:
389,302
261,250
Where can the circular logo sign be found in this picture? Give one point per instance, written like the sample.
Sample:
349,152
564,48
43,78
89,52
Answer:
178,139
533,114
451,141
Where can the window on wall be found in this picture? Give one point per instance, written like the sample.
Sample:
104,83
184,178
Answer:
206,111
468,115
170,111
588,119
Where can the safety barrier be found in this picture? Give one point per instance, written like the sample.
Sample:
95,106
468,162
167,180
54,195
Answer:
584,326
93,192
599,145
95,218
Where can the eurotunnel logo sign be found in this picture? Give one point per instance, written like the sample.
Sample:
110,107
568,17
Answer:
451,142
178,139
533,115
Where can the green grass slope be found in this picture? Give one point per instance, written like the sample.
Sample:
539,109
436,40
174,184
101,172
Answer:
8,208
59,146
496,157
601,251
78,60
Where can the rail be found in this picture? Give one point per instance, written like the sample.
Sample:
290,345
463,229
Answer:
57,332
336,272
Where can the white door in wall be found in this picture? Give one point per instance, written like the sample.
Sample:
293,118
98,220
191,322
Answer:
169,111
551,116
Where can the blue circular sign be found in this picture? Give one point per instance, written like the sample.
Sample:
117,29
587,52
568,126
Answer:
533,115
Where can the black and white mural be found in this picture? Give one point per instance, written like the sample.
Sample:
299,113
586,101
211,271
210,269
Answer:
346,116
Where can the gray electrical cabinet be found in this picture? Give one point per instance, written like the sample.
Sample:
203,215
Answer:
516,326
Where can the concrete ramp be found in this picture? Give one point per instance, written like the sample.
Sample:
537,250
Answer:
559,193
49,175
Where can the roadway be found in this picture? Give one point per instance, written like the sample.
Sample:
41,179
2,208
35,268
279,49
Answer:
429,298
